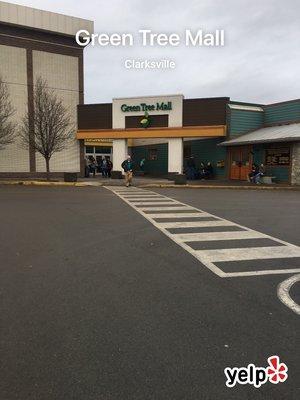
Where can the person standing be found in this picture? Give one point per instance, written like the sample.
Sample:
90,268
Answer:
104,168
142,164
191,168
109,167
127,166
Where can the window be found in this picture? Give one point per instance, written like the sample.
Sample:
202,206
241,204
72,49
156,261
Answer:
153,154
89,149
102,150
278,156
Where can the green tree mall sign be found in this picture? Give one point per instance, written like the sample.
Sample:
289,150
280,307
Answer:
147,107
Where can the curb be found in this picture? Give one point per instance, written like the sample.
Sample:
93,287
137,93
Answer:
42,183
220,187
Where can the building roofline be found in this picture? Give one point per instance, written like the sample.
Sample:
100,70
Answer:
34,18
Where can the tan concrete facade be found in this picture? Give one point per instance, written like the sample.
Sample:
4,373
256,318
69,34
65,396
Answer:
13,70
61,73
36,43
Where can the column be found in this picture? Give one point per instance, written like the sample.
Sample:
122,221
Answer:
175,155
295,164
120,152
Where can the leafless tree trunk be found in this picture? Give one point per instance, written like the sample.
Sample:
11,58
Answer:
7,127
52,128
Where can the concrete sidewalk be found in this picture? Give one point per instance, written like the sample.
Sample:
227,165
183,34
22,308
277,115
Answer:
154,182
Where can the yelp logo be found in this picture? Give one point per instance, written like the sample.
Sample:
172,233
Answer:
275,372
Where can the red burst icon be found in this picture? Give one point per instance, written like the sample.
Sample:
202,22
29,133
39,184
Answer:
277,371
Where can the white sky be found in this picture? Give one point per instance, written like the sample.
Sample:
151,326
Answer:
260,62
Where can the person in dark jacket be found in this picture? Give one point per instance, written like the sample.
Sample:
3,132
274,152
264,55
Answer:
127,166
191,168
254,172
209,170
109,167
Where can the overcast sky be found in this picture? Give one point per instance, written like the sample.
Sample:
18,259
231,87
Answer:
259,63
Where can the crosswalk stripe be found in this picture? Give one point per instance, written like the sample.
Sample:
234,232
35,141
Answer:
194,224
163,208
142,196
157,206
181,215
152,203
250,253
207,236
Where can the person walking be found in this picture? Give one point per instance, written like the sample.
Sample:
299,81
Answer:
93,167
127,166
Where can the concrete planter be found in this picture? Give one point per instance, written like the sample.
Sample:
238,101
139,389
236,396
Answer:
171,176
70,176
116,175
180,179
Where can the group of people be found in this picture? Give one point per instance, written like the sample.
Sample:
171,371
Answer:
203,172
103,166
257,171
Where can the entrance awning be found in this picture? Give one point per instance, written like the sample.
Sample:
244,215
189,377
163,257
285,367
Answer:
281,133
189,131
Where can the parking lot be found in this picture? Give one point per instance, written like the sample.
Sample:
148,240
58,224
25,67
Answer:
103,296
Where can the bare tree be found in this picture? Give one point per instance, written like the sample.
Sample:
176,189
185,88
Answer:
51,128
7,127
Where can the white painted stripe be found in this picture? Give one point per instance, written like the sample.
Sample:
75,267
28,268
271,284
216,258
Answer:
208,236
135,199
194,224
249,253
162,208
152,203
285,247
130,196
284,296
179,215
262,272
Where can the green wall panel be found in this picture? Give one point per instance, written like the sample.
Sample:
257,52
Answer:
282,112
208,151
155,167
203,151
242,121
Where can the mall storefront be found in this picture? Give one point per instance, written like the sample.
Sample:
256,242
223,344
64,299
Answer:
167,130
161,129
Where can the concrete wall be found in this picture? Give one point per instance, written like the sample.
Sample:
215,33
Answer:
61,73
295,173
13,70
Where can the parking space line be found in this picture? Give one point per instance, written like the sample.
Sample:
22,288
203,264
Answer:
284,296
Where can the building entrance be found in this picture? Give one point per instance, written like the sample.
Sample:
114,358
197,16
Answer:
240,162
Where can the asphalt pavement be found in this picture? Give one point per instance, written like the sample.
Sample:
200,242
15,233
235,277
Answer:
97,303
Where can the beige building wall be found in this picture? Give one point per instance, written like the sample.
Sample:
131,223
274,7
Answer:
14,158
61,74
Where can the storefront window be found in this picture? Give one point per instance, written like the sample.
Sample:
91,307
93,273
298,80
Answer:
278,156
89,149
102,150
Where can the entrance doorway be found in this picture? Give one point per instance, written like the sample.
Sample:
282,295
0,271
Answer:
240,162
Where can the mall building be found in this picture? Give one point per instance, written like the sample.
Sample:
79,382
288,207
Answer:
163,130
167,130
